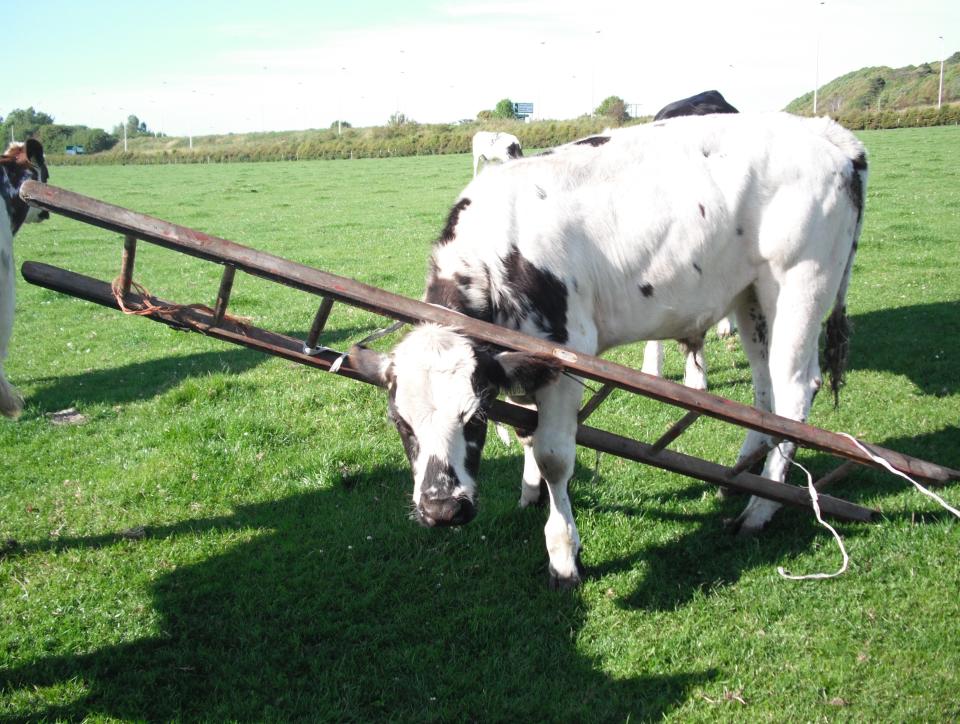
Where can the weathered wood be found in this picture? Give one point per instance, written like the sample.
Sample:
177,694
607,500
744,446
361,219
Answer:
268,266
223,294
319,322
594,402
126,264
201,320
676,431
836,474
753,458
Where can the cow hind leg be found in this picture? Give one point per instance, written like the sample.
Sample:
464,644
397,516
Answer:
653,358
794,376
533,488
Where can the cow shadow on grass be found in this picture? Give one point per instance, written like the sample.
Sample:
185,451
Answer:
707,556
336,607
920,342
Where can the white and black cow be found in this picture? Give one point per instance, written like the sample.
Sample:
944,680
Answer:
494,146
648,232
20,162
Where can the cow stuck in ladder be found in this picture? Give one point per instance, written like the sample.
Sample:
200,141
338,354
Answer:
650,232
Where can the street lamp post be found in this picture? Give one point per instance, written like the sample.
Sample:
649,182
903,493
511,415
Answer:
816,78
940,92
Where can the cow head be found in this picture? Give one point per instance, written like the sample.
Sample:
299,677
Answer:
440,386
22,162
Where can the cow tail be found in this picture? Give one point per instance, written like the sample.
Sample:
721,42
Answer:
837,344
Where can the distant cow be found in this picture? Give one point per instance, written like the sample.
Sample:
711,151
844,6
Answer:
701,104
695,370
494,146
648,232
20,162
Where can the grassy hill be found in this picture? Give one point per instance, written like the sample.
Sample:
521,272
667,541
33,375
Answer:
881,88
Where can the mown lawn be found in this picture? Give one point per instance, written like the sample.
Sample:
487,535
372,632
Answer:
225,537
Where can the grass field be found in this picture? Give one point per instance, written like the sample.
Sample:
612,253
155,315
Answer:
225,537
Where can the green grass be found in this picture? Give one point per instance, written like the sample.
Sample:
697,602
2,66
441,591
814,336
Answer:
276,575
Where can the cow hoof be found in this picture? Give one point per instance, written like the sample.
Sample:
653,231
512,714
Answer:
742,527
567,583
563,583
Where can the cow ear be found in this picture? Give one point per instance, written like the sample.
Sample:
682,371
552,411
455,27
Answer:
372,365
34,151
518,371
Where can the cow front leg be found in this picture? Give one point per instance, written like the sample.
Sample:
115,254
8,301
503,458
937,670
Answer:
554,449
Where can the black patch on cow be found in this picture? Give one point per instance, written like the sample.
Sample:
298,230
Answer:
514,151
450,230
592,141
646,289
407,436
453,293
541,194
759,326
442,475
475,433
533,292
706,152
703,211
739,231
855,186
697,267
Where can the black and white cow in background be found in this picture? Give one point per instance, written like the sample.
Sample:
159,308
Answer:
695,369
20,162
648,232
701,104
494,146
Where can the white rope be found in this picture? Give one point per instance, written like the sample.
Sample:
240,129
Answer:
880,461
814,496
814,501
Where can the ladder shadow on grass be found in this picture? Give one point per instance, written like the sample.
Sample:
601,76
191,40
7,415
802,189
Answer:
143,380
137,381
338,608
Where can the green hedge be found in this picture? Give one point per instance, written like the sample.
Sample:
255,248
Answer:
418,140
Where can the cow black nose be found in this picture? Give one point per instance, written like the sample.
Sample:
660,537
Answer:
442,512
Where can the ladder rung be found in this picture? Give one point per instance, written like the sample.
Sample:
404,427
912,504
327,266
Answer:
223,294
126,263
834,475
594,402
755,457
674,432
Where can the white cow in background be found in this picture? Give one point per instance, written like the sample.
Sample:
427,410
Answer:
494,146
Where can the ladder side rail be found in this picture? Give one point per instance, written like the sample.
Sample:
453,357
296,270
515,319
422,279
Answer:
408,310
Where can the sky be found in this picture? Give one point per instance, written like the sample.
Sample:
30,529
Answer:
213,66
